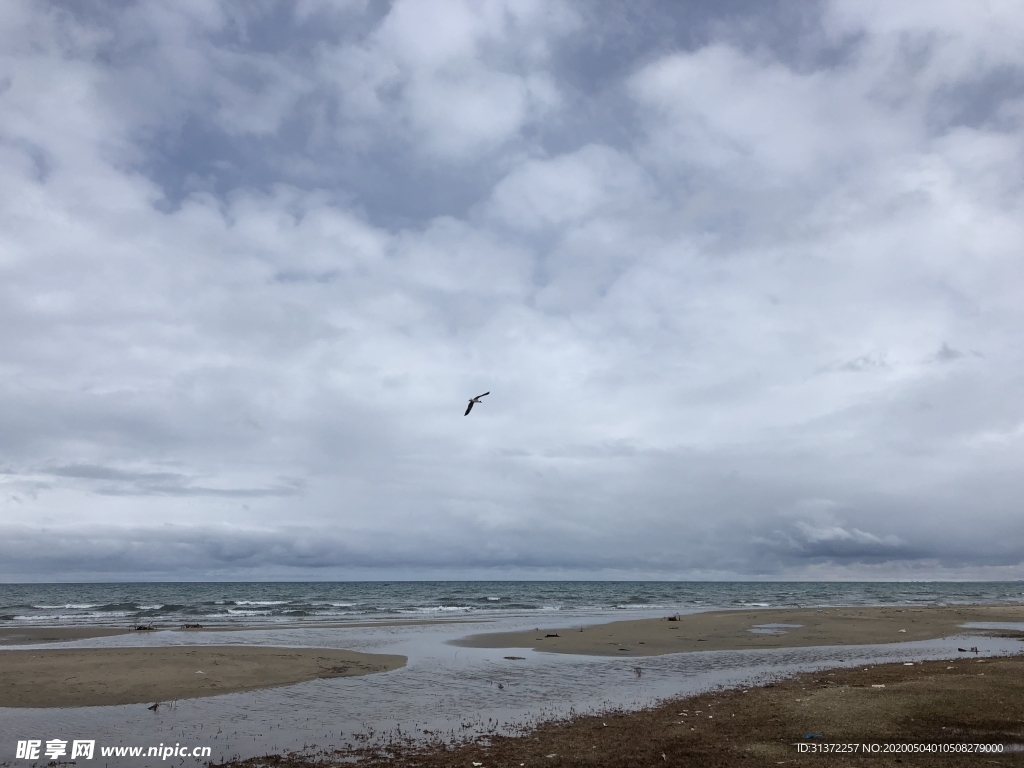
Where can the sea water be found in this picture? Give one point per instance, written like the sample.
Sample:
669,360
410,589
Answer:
173,604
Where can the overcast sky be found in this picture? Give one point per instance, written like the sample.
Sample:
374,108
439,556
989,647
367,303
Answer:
745,281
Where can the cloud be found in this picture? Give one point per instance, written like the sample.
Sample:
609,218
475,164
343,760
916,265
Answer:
835,540
461,78
747,298
592,182
947,353
120,482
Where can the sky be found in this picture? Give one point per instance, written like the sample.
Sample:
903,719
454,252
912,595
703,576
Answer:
745,281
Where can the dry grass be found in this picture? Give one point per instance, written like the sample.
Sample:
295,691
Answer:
924,703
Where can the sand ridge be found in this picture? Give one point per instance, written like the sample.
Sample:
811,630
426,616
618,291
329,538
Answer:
83,677
730,630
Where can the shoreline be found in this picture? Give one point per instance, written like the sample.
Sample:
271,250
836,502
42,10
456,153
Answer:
699,623
731,630
62,633
942,706
40,676
89,677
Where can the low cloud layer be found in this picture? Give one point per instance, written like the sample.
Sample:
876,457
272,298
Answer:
745,287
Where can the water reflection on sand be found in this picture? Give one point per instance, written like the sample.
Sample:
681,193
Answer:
443,689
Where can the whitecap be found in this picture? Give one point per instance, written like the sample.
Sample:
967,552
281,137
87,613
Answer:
439,609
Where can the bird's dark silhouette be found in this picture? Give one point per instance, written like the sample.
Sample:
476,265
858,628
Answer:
472,401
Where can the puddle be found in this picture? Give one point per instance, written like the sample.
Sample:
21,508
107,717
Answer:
772,629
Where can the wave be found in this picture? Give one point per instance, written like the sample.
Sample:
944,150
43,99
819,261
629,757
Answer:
170,604
112,607
438,609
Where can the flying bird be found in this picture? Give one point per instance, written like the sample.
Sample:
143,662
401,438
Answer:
472,401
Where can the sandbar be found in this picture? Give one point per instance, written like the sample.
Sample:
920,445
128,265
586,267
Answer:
34,635
84,677
731,630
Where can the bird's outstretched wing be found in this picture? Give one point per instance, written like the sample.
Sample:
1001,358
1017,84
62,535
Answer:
473,400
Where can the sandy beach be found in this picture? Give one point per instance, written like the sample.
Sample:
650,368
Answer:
107,676
732,630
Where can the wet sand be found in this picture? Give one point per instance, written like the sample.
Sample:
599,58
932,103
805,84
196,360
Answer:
730,630
963,702
35,635
108,676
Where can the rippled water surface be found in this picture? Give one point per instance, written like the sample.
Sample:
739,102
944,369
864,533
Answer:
267,603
